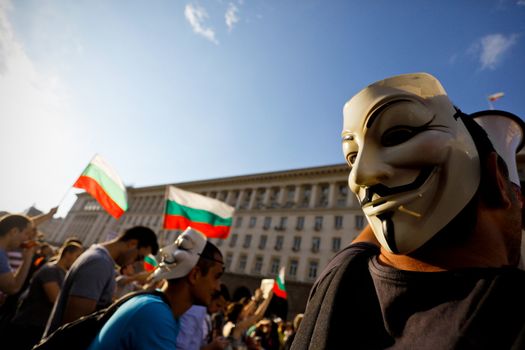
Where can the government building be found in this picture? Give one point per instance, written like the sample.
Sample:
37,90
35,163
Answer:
295,218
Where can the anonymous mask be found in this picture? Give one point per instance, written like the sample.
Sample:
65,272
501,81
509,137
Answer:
414,165
177,259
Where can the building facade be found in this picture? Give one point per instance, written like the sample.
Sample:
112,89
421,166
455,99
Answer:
295,218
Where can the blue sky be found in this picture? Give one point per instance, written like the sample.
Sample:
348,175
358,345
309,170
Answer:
171,91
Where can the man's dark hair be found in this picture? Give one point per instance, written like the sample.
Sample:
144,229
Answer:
69,247
11,221
209,256
144,235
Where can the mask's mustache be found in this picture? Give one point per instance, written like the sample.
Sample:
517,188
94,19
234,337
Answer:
384,191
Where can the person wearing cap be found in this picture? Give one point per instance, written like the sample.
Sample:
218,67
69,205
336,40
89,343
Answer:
437,267
192,267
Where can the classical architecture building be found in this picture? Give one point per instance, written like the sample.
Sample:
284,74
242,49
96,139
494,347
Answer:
294,218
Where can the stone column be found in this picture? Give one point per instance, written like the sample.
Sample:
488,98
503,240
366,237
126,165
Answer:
314,195
332,191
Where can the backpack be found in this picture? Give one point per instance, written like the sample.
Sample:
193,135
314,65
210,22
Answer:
80,333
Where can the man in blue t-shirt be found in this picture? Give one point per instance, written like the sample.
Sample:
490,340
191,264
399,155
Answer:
193,268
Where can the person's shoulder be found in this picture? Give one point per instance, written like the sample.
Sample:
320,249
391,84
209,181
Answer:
354,253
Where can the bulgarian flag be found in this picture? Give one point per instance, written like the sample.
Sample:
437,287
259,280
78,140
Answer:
496,96
103,183
279,289
207,215
150,263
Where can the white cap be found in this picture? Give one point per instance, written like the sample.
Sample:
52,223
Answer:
506,131
177,259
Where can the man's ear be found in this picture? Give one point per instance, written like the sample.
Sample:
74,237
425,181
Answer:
194,275
497,187
132,243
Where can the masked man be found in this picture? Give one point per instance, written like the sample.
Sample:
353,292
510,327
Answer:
439,271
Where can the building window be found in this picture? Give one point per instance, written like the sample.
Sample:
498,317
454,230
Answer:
247,241
336,244
342,194
312,270
274,197
259,197
253,221
305,198
233,240
267,223
300,223
219,242
246,199
242,262
290,194
296,243
222,196
228,262
282,224
322,201
262,241
292,268
359,222
318,223
233,198
213,194
258,264
338,222
238,222
316,244
279,242
274,268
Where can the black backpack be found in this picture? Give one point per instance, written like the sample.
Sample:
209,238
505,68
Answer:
80,333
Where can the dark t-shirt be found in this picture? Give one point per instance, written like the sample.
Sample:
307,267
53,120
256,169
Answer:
359,304
36,307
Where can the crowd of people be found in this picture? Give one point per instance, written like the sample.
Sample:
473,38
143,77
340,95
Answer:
44,288
438,267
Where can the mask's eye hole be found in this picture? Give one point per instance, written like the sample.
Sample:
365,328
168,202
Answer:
350,158
397,135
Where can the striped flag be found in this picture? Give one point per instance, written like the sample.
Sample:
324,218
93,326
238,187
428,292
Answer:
495,96
207,215
103,183
279,289
150,263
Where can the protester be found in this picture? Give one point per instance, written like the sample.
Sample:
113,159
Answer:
192,267
29,323
240,318
440,204
90,283
128,280
195,325
14,230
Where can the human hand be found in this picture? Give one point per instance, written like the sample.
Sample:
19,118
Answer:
28,249
219,343
52,211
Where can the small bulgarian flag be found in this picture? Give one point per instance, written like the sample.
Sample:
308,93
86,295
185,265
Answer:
207,215
150,263
103,183
495,96
279,289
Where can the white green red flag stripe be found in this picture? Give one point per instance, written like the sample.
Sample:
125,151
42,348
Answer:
207,215
279,289
496,96
103,183
150,263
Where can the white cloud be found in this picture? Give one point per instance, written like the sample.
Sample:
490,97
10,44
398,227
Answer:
521,2
197,15
231,16
491,49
